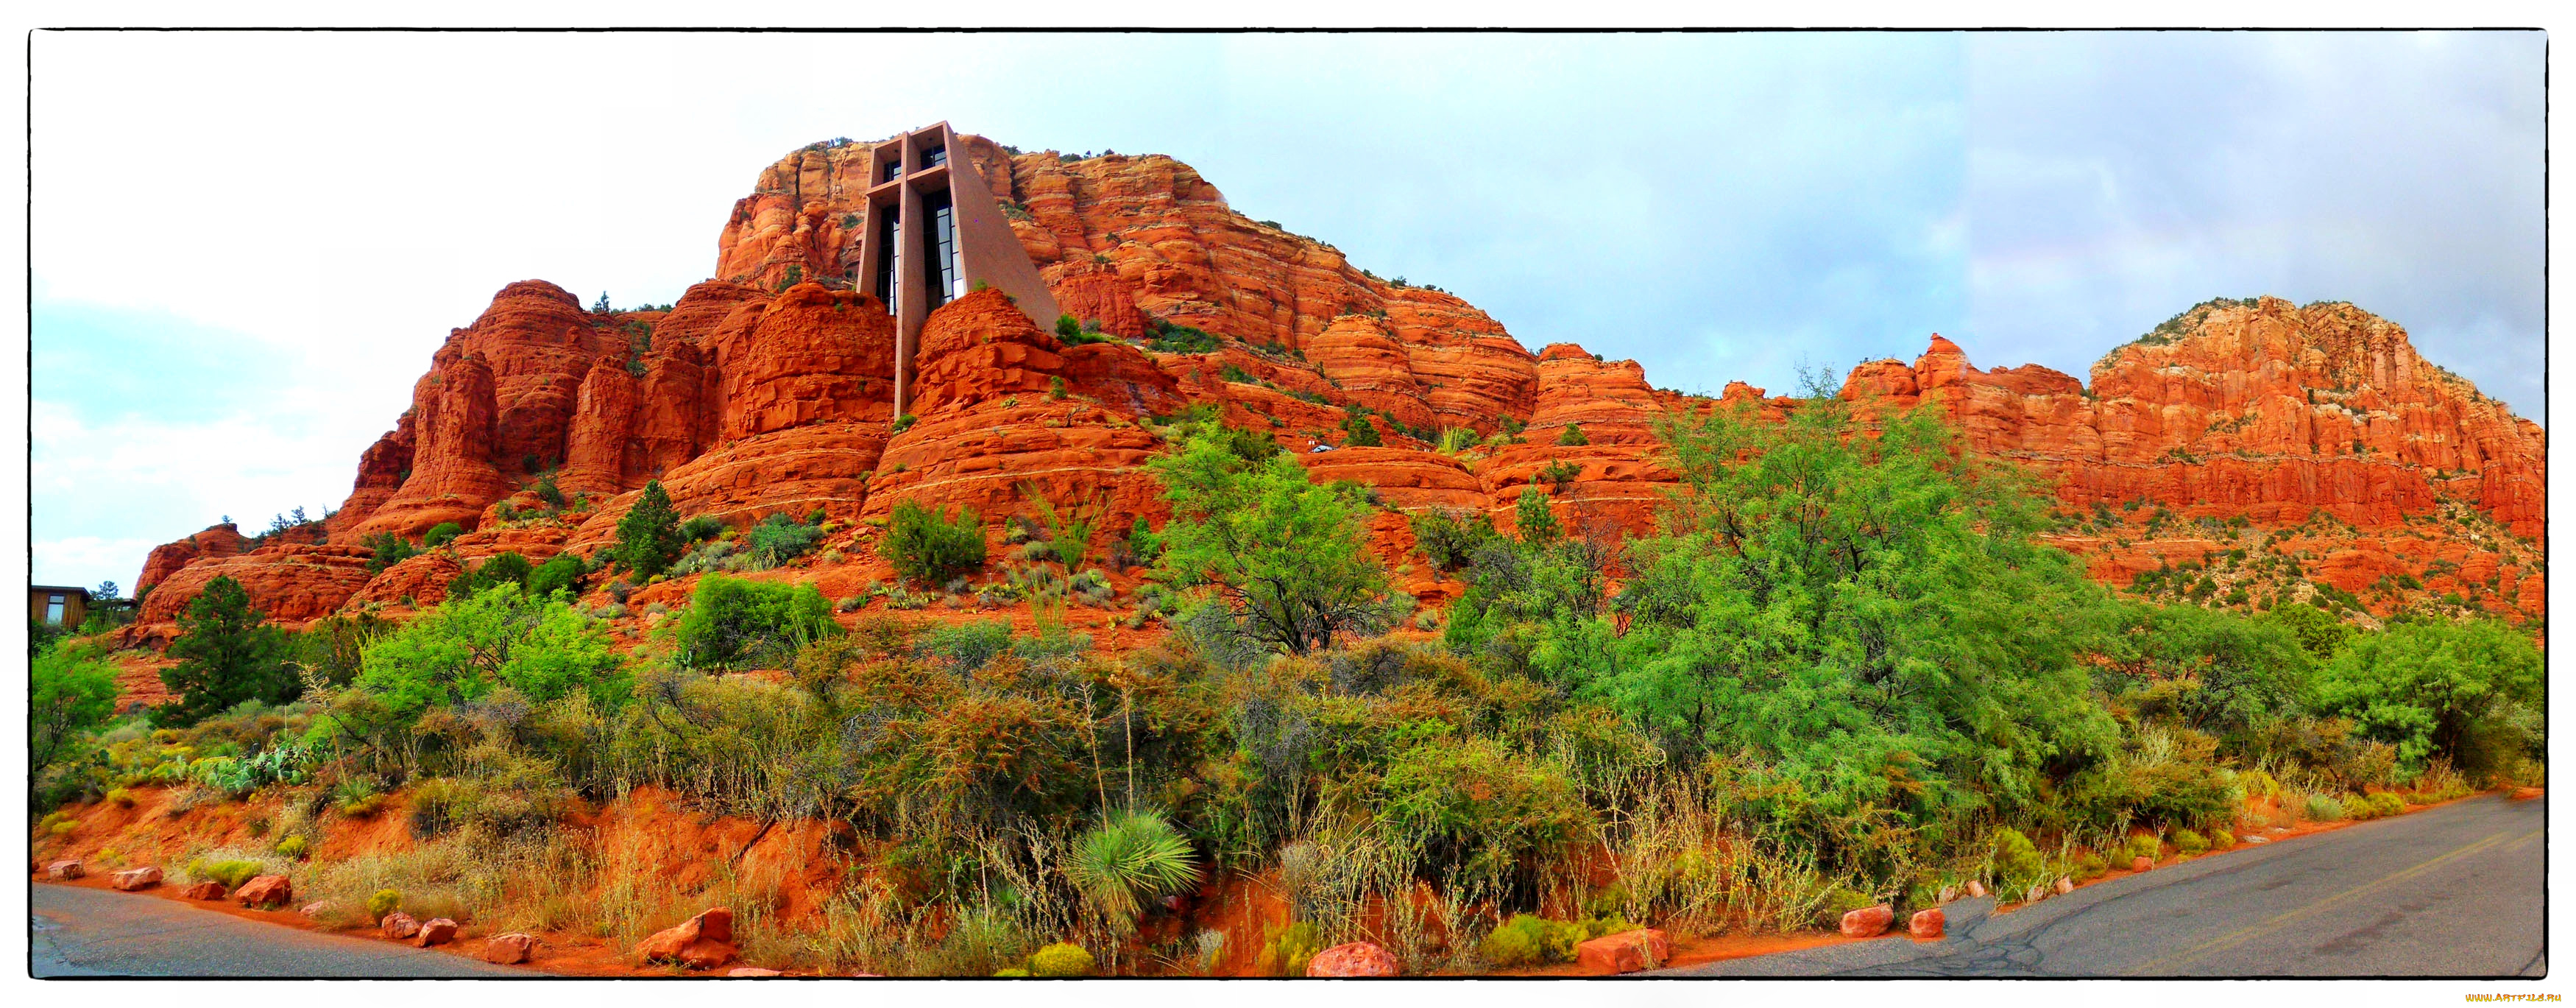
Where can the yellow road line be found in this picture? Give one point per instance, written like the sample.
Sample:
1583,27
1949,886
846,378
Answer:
2239,936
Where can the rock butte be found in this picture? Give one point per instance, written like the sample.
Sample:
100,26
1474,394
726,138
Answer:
754,394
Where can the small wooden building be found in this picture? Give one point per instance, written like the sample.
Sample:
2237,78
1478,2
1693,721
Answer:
57,606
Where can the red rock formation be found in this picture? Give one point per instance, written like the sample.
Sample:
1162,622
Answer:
293,583
770,391
989,429
215,543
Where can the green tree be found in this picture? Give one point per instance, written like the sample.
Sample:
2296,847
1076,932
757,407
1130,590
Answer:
648,537
2317,630
441,534
1362,433
2439,689
227,653
70,692
468,647
1288,559
1572,435
1861,621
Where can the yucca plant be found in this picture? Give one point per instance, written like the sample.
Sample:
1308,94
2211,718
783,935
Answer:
1129,859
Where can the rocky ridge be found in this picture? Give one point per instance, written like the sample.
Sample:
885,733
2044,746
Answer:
2314,434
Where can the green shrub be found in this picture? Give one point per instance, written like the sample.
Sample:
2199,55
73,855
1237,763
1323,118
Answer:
2090,865
2189,842
2142,845
1289,949
701,528
388,549
232,873
967,646
2017,861
120,797
2387,803
927,547
562,573
2220,839
904,423
1572,435
1012,971
2323,808
441,534
1062,959
780,538
1235,374
469,647
734,622
1528,940
1840,900
293,847
506,568
385,901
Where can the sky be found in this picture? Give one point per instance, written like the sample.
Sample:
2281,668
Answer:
245,247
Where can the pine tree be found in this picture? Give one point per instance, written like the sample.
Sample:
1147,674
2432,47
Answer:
649,538
227,653
602,307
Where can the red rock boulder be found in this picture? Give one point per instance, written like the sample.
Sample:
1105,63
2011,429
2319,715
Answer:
133,879
398,926
265,891
1926,924
2142,863
510,948
701,942
207,890
435,931
1868,922
1356,959
64,870
752,972
1624,952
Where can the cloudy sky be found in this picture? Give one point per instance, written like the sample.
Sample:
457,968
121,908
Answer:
245,247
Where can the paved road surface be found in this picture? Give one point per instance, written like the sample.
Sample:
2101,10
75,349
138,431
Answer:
100,932
2452,891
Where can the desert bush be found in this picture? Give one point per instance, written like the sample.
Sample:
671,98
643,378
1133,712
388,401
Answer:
732,622
1286,951
2016,861
232,872
293,847
2465,691
441,534
542,648
1062,959
2188,842
2220,839
927,547
781,538
383,902
1528,940
2323,808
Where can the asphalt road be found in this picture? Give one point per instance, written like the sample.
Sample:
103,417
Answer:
2449,892
102,933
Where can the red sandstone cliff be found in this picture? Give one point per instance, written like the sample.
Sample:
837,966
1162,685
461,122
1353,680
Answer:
770,390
